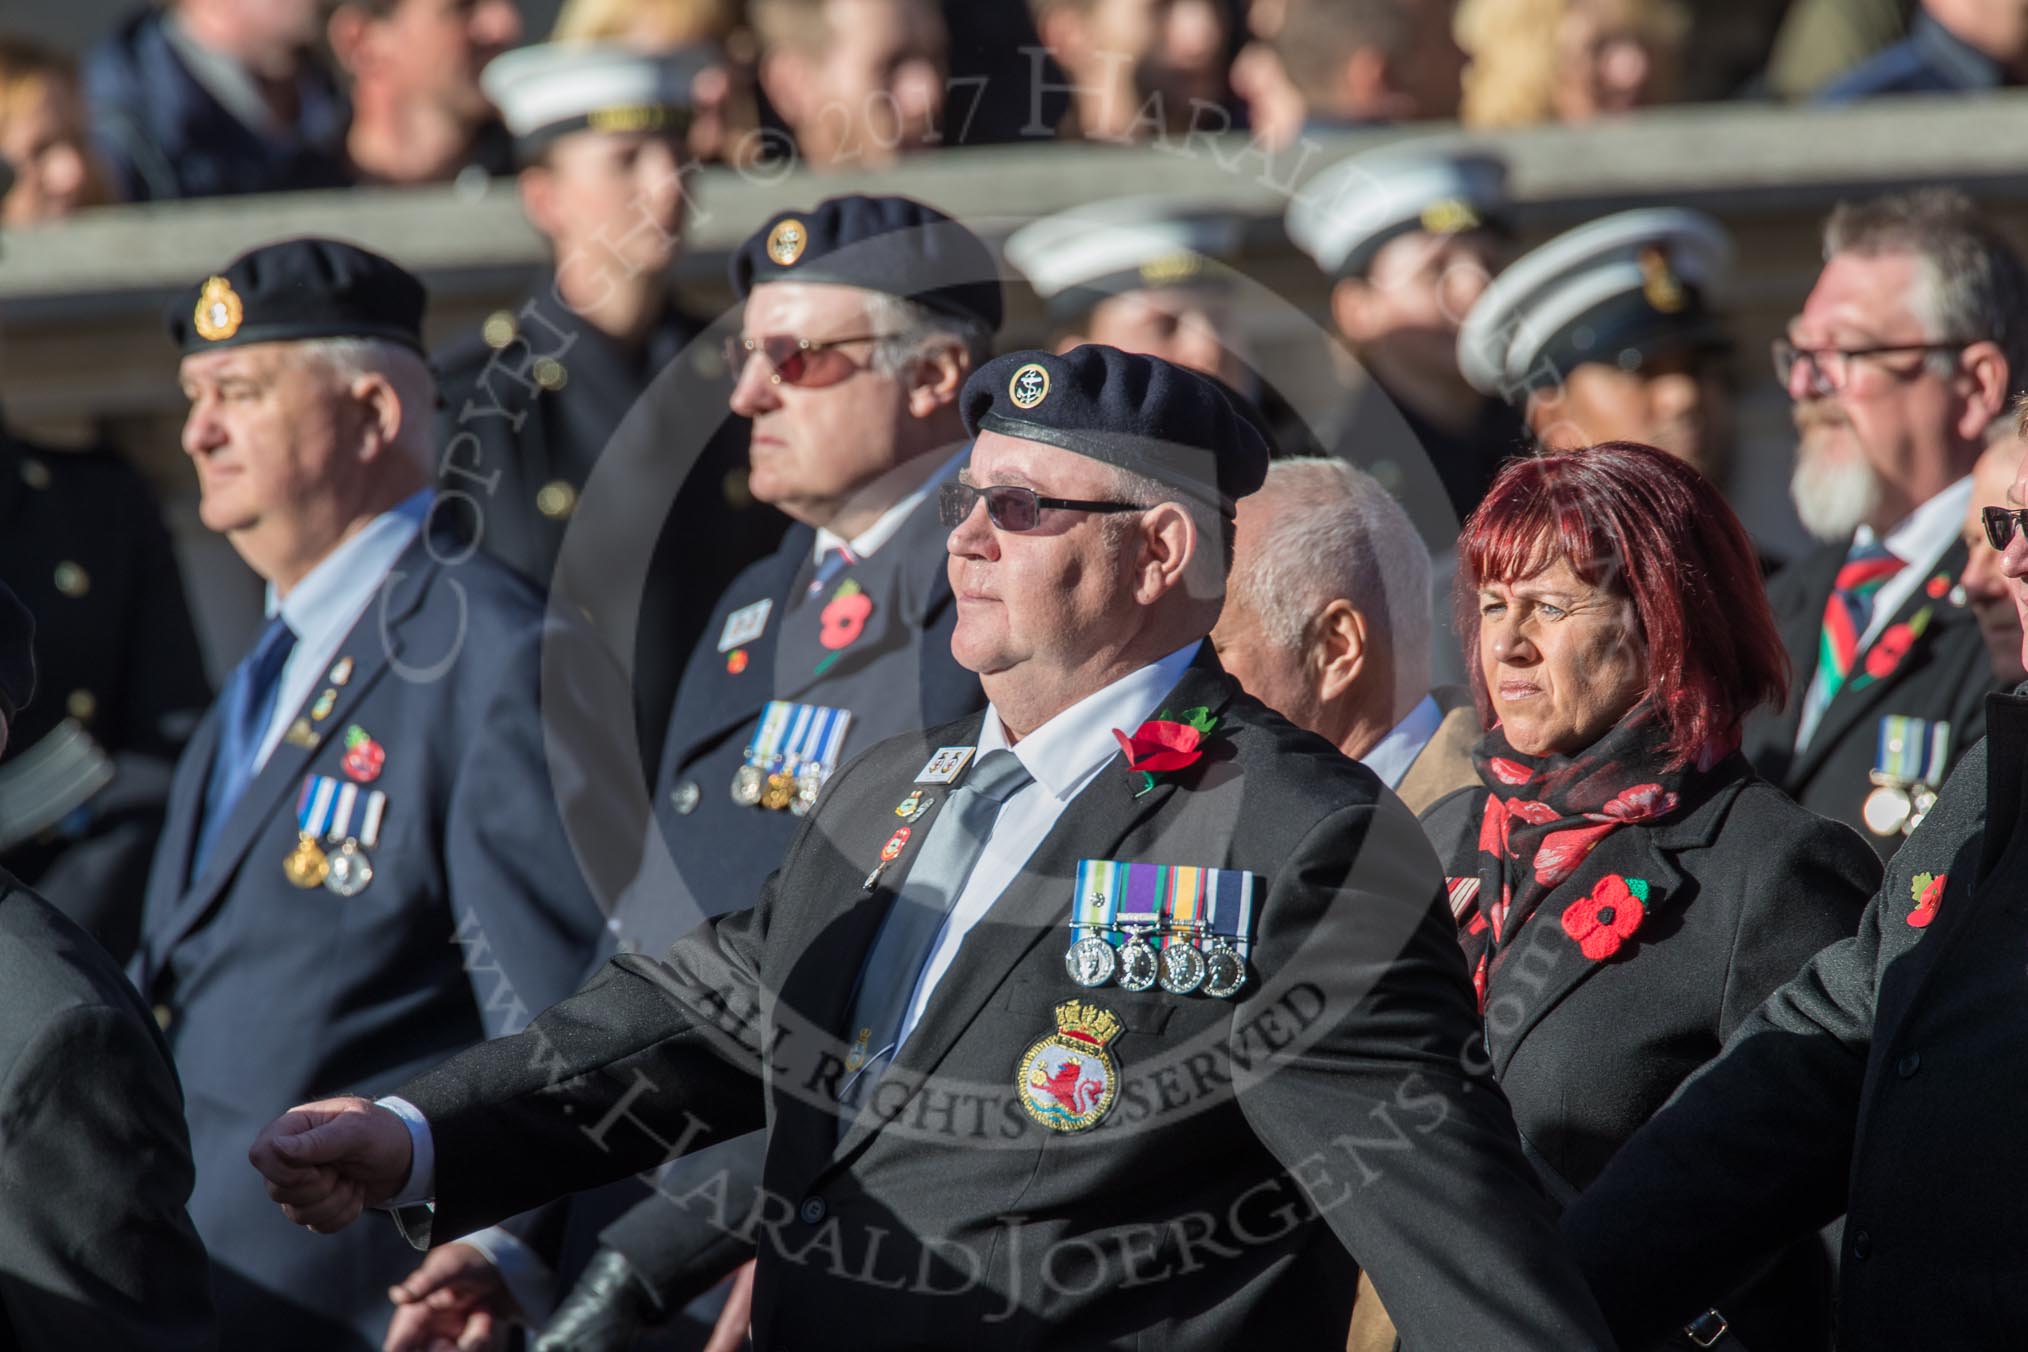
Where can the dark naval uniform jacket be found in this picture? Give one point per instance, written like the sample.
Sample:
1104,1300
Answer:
1245,1146
896,675
96,1249
120,682
1944,675
1884,1082
477,914
539,399
1744,889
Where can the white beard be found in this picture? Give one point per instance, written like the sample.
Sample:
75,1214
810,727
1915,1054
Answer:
1832,496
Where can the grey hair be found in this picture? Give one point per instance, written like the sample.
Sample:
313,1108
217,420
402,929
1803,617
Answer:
346,359
1210,568
910,326
1977,287
1339,535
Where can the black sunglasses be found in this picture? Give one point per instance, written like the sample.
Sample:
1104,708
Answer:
1013,509
2001,522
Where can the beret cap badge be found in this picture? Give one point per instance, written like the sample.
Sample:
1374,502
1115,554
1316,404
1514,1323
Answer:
1029,387
1658,281
1450,216
218,312
787,241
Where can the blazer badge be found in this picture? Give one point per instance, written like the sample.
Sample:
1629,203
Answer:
1067,1080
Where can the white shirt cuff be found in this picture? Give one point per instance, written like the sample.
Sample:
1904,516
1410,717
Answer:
422,1167
528,1278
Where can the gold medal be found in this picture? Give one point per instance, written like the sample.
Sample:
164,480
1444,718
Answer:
307,866
779,792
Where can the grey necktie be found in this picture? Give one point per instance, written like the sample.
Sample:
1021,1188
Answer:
956,838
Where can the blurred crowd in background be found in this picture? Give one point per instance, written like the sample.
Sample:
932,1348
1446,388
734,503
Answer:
195,98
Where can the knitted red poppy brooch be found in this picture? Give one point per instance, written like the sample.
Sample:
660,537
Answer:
1605,918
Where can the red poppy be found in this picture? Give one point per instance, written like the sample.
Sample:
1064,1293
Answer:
1927,903
844,619
1641,802
1535,814
1888,650
736,660
1510,772
1563,851
1604,920
1159,746
363,761
1938,585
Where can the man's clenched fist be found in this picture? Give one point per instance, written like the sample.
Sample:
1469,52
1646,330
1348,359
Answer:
325,1162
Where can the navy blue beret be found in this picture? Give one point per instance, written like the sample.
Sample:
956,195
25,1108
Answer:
1141,413
17,653
889,244
297,289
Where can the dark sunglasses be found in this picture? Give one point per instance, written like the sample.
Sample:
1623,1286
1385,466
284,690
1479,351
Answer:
2001,523
1013,509
798,361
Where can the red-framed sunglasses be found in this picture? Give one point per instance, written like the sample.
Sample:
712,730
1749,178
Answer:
808,363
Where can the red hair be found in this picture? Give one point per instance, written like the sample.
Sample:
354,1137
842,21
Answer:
1640,523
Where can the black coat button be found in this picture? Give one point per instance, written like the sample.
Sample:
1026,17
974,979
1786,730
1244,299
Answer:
812,1211
1909,1064
1862,1245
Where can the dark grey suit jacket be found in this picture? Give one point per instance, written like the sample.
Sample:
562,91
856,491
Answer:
1884,1081
96,1249
1253,1142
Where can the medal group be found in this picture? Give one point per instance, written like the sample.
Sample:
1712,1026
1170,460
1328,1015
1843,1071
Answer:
794,750
334,811
1140,925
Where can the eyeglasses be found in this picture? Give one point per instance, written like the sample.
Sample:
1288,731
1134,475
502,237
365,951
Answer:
1833,365
2002,522
1013,509
810,364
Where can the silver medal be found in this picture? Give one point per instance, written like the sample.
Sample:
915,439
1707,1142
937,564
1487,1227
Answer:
1886,810
1140,966
747,783
350,871
809,780
1183,968
1091,961
1224,971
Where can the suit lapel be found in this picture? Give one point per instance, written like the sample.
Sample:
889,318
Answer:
1851,705
1545,964
373,642
1035,905
917,545
739,702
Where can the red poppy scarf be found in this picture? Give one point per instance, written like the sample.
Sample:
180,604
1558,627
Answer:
1544,814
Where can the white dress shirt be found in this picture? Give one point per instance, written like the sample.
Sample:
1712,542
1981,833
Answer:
323,607
1394,753
1922,538
1063,755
